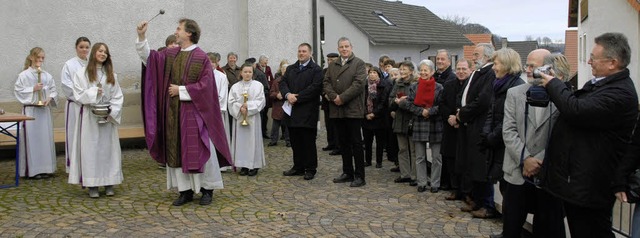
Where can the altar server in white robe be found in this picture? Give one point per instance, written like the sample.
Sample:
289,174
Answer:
95,154
247,148
222,84
34,85
72,108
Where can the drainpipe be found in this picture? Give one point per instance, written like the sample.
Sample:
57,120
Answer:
314,10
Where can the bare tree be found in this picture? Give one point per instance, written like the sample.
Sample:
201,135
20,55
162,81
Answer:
528,38
460,23
456,20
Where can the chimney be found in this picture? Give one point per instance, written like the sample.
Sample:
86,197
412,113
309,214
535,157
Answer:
503,40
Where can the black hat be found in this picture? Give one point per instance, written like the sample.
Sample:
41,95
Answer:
333,55
250,60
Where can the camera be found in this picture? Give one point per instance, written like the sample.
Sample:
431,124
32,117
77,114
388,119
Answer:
537,96
546,69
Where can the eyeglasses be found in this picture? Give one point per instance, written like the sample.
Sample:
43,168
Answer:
591,58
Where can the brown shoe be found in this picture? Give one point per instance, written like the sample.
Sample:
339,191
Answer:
468,208
468,200
484,213
452,196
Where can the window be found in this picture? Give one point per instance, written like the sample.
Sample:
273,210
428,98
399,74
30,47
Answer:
383,18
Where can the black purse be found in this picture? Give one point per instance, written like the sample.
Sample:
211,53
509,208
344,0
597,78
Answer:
633,187
410,127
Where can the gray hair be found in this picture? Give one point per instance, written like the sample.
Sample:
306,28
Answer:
427,63
214,56
232,53
488,49
616,46
263,57
444,51
344,38
559,64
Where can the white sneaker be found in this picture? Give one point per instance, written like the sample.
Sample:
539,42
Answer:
93,192
109,190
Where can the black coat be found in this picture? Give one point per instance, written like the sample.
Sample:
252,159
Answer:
491,137
307,83
444,77
589,139
472,118
447,108
380,106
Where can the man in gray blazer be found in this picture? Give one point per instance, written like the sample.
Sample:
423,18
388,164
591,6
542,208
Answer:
526,131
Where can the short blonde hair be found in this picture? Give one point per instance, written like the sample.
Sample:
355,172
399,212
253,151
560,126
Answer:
510,59
560,65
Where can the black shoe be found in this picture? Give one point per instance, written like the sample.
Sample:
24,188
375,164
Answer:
367,164
496,236
243,172
328,148
288,144
343,178
282,137
185,197
207,196
422,189
266,136
358,182
445,188
402,180
413,183
434,190
395,169
252,172
273,143
309,175
378,165
334,152
292,172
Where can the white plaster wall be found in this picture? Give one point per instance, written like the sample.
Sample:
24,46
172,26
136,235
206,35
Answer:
337,26
276,28
610,16
399,52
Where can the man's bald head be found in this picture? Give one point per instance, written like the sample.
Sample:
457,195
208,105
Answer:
535,59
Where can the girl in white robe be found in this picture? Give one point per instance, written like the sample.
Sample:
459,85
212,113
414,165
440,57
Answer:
95,154
247,148
38,156
72,108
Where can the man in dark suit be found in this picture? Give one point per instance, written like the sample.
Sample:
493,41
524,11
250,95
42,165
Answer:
474,107
332,134
590,137
301,85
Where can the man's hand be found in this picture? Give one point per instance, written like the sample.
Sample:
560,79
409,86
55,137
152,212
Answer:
38,87
622,196
400,99
292,98
338,101
531,166
546,78
425,113
142,30
174,90
452,120
370,116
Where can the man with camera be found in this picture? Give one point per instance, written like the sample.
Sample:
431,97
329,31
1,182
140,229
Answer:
528,118
590,136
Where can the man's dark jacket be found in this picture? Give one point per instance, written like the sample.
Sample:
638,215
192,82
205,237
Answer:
307,83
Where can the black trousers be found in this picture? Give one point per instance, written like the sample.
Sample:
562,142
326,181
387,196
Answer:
381,140
589,222
264,118
303,144
519,200
350,141
449,176
332,138
482,193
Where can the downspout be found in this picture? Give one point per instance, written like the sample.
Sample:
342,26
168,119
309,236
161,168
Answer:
314,10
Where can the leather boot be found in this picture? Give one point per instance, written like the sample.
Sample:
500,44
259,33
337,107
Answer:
185,197
207,196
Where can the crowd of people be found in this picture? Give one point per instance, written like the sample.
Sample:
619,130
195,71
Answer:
554,150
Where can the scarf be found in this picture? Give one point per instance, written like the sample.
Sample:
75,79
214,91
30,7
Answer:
373,94
426,93
499,82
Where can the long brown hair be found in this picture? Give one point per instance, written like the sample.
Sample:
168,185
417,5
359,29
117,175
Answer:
92,69
35,51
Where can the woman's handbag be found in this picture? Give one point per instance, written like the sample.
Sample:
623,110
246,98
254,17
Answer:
410,127
633,187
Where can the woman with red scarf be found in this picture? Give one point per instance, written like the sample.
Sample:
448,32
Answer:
423,103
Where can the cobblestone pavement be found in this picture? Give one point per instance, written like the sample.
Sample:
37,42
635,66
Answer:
268,205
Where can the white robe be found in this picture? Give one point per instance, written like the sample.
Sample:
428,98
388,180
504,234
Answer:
37,147
247,148
210,178
72,108
95,155
222,84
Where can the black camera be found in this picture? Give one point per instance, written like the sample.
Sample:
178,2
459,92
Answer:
546,69
537,96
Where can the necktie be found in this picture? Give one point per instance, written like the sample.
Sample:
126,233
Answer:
301,66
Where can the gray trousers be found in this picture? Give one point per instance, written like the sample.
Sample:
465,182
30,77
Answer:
406,158
421,163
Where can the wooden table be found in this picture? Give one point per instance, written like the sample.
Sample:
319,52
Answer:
14,119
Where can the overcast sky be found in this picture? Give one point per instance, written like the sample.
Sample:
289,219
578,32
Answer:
512,19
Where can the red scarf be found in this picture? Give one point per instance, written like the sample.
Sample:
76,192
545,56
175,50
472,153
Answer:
426,93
